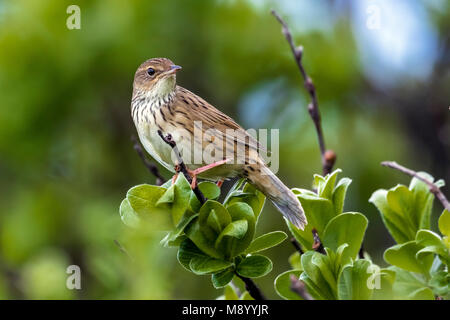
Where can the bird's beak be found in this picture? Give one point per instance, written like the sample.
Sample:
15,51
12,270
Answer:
173,69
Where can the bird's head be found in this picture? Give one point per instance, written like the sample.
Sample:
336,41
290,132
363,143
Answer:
156,77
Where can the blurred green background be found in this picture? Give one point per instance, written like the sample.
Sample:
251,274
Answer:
381,69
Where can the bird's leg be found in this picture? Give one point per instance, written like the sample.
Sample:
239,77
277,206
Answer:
177,171
200,170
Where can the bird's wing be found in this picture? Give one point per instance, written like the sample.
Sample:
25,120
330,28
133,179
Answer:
211,118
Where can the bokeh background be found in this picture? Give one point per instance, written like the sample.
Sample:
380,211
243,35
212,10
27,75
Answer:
381,69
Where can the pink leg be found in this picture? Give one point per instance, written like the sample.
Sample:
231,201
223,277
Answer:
210,166
197,171
175,176
194,182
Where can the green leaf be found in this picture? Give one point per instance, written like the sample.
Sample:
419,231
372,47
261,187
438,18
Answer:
325,186
409,286
353,282
195,232
213,218
171,238
318,211
236,229
230,294
221,279
405,210
266,241
254,266
194,204
401,201
182,194
256,200
283,285
321,272
347,228
444,227
209,189
317,275
143,199
168,197
444,223
341,258
382,280
294,261
249,195
186,252
207,265
127,214
423,201
440,283
404,256
393,222
176,198
246,296
431,243
234,190
327,269
167,184
339,194
241,211
320,207
424,293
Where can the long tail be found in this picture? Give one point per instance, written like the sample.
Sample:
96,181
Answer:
280,195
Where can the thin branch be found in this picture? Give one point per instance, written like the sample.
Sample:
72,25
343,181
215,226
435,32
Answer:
149,165
328,156
317,245
181,166
298,286
434,189
122,249
361,251
296,245
252,288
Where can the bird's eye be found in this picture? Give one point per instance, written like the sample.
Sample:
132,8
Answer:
151,71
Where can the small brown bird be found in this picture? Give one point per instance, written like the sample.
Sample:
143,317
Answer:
203,134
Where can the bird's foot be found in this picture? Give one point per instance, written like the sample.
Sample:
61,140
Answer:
177,171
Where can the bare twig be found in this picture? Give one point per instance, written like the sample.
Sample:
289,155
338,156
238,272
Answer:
317,245
252,288
296,245
328,156
181,166
361,251
149,165
298,286
434,189
122,249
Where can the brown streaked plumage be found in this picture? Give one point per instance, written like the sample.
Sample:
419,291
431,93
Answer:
158,104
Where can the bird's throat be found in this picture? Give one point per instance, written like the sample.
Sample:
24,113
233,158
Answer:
147,101
163,89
